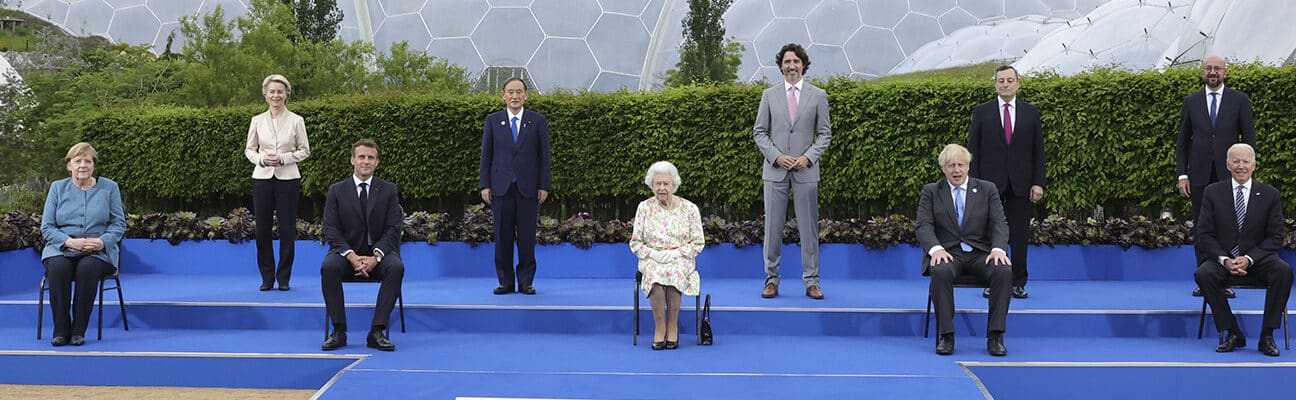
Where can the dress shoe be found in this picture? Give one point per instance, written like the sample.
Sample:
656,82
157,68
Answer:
814,292
527,290
77,340
265,287
504,290
945,344
284,288
771,291
1197,292
985,293
59,341
1228,292
995,345
659,345
672,345
379,341
1019,292
334,341
1230,342
1268,347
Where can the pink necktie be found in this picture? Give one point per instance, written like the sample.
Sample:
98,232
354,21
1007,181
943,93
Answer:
1007,121
792,103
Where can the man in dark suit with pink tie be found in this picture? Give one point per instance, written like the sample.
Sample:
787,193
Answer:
1007,145
515,180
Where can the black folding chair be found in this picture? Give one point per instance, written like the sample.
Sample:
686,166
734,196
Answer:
697,311
963,281
1244,283
116,277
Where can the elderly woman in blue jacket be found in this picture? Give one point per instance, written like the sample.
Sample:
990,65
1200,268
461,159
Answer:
83,226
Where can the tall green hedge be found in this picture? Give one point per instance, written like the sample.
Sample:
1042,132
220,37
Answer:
1110,138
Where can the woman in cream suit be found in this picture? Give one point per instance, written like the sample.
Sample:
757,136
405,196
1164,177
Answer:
276,142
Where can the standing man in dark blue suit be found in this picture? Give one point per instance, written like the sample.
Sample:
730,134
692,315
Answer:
515,180
1007,145
362,226
1211,120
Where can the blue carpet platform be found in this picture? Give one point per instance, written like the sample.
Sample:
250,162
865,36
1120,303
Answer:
1101,322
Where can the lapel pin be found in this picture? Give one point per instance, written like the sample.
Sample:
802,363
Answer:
501,123
974,190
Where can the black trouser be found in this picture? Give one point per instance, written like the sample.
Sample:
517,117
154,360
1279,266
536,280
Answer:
1018,210
336,269
269,195
1272,272
86,272
942,288
515,219
1195,196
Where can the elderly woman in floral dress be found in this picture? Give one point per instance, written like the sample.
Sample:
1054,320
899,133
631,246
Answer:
667,239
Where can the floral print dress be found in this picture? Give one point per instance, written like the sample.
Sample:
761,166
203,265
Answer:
667,242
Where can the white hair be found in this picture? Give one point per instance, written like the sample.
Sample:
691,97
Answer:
662,167
265,84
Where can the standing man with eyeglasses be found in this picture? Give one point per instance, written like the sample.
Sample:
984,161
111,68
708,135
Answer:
1211,120
514,180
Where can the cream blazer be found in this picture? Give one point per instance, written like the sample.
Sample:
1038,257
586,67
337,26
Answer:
286,137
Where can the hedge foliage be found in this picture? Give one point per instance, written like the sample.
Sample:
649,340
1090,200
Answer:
1110,138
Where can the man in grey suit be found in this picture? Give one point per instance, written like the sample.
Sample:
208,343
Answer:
792,131
962,228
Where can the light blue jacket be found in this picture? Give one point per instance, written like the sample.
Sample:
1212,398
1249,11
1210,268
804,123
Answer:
74,213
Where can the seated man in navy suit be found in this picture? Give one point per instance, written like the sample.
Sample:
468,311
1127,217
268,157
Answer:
962,228
362,225
1247,248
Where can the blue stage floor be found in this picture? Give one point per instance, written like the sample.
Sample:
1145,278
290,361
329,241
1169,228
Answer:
573,340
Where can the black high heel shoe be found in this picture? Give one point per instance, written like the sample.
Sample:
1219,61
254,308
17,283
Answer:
659,345
671,345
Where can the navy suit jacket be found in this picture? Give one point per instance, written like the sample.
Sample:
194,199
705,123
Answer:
1201,146
343,218
527,160
984,225
1262,228
1017,165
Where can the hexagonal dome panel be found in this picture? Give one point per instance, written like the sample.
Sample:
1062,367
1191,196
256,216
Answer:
827,60
619,43
448,18
563,64
119,4
954,20
833,22
780,32
983,9
172,10
873,51
882,13
159,44
933,8
458,51
507,37
792,9
612,81
915,30
510,3
628,7
398,7
86,16
233,8
135,25
1018,8
566,18
407,28
745,19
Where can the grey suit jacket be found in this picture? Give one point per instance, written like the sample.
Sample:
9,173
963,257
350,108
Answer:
808,135
984,225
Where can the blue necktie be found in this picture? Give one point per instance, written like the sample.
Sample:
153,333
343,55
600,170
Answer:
515,129
958,207
1214,107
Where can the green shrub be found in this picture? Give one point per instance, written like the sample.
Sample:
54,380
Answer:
1110,138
